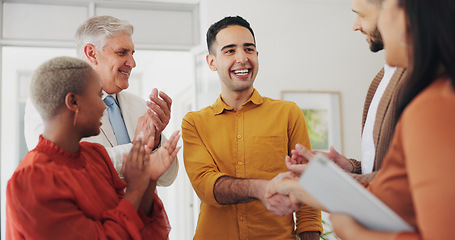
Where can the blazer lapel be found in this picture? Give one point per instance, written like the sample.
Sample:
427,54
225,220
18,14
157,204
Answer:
106,129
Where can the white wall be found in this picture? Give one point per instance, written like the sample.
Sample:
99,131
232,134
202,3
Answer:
307,45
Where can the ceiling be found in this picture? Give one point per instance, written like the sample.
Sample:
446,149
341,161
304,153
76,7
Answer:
176,1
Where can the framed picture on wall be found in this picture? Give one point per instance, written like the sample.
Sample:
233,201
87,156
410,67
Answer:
322,111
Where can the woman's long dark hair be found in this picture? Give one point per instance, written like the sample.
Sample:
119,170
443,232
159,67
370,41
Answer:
431,33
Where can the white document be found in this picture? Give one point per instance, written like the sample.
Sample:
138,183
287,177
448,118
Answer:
340,193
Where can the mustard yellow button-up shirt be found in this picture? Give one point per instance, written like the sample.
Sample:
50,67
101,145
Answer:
249,143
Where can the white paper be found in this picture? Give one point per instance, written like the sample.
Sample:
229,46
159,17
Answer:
340,193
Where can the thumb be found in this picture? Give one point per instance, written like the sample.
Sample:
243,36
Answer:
304,152
154,92
151,143
333,152
125,161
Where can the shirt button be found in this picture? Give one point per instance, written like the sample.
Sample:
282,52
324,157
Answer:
238,114
238,136
239,163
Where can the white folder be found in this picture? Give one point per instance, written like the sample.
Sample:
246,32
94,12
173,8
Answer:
340,193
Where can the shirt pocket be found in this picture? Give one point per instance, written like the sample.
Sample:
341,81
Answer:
268,154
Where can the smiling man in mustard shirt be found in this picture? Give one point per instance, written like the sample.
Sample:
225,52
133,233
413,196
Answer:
233,148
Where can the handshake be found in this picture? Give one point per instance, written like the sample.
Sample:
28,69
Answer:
283,194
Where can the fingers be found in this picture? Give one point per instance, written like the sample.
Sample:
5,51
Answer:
159,107
147,132
174,154
139,155
125,162
294,167
167,99
281,184
289,161
159,117
303,151
146,157
297,168
150,144
279,195
160,104
145,129
134,152
333,152
281,205
171,144
154,92
297,157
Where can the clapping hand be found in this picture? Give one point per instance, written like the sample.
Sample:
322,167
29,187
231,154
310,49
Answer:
162,159
159,110
136,167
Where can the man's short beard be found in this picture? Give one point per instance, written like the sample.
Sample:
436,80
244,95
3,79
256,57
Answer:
376,46
376,43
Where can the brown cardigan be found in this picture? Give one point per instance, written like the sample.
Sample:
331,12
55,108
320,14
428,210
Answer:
385,122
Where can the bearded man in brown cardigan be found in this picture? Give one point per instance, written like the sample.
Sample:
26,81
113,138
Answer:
379,120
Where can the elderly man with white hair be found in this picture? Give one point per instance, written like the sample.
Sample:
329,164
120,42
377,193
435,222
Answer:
105,43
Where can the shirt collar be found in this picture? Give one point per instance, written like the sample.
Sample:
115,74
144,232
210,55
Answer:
104,95
219,106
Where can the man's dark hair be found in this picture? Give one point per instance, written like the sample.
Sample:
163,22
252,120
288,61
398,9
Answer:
222,24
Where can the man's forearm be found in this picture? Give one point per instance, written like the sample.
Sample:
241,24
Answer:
309,235
229,190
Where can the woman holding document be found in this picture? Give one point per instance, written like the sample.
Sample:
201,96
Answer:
415,180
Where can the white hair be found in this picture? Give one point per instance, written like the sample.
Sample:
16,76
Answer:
96,29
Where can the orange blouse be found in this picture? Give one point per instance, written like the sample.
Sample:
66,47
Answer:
55,194
418,172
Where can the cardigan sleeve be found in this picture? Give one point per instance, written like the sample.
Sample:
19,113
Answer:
356,166
356,172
